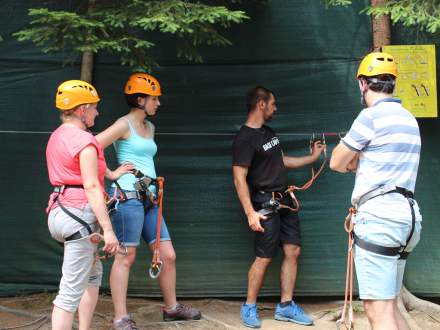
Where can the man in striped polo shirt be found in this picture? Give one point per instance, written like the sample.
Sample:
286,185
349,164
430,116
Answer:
383,148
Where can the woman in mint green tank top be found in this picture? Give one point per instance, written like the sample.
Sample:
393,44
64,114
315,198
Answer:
133,138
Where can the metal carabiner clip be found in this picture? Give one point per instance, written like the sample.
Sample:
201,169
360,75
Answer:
97,238
155,269
312,142
122,249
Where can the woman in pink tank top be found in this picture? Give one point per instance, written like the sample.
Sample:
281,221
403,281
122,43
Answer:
77,208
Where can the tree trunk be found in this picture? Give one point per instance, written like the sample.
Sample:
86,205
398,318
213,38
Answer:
87,66
405,313
381,27
411,303
87,56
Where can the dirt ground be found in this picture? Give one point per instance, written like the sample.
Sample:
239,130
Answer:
216,314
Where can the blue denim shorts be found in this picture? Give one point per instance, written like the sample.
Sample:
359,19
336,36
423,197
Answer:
130,222
380,277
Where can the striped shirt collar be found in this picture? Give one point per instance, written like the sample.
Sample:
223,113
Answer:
388,99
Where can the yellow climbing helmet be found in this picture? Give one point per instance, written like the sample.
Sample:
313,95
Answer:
72,93
377,63
142,83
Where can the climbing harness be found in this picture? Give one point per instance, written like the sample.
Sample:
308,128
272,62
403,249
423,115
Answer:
142,192
86,230
143,182
97,238
274,204
119,196
387,250
94,237
347,312
156,263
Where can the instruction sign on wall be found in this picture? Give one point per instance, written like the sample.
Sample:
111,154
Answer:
416,84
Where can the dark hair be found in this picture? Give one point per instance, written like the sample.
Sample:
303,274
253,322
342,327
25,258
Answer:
384,83
133,98
256,94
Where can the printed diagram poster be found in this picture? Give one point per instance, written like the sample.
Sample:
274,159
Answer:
416,84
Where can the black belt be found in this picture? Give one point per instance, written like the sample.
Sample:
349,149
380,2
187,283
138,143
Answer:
388,250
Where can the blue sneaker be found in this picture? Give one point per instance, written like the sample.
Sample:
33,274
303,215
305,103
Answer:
292,313
249,316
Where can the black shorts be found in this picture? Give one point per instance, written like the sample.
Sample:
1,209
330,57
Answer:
280,228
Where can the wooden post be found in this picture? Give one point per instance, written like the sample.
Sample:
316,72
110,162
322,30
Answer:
381,27
87,56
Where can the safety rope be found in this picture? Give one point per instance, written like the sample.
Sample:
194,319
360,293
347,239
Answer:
347,317
291,189
156,263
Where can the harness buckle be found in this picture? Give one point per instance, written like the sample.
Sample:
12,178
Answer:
272,204
142,183
112,205
59,189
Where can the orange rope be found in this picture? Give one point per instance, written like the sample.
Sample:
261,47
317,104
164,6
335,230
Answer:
156,263
291,189
348,320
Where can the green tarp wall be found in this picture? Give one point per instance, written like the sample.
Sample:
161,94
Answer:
308,55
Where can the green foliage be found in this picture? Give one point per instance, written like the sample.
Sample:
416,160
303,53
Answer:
424,14
125,27
344,3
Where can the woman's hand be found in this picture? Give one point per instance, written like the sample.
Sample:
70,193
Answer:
111,242
121,170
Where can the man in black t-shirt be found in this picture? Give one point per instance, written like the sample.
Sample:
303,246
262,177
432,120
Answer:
259,169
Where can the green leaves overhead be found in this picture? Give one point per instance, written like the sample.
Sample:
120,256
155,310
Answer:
125,27
424,14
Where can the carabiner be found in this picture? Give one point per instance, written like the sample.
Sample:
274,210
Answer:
340,322
312,142
155,269
97,238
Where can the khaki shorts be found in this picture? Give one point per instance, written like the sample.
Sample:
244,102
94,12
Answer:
80,268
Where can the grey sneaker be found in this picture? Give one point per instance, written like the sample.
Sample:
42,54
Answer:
126,323
182,312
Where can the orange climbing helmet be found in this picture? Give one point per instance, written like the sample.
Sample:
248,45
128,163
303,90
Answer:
142,83
72,93
377,63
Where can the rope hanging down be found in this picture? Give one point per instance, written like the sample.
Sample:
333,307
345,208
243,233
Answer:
156,263
347,317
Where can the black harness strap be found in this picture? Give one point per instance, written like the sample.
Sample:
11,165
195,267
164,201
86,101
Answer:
388,250
120,189
70,214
